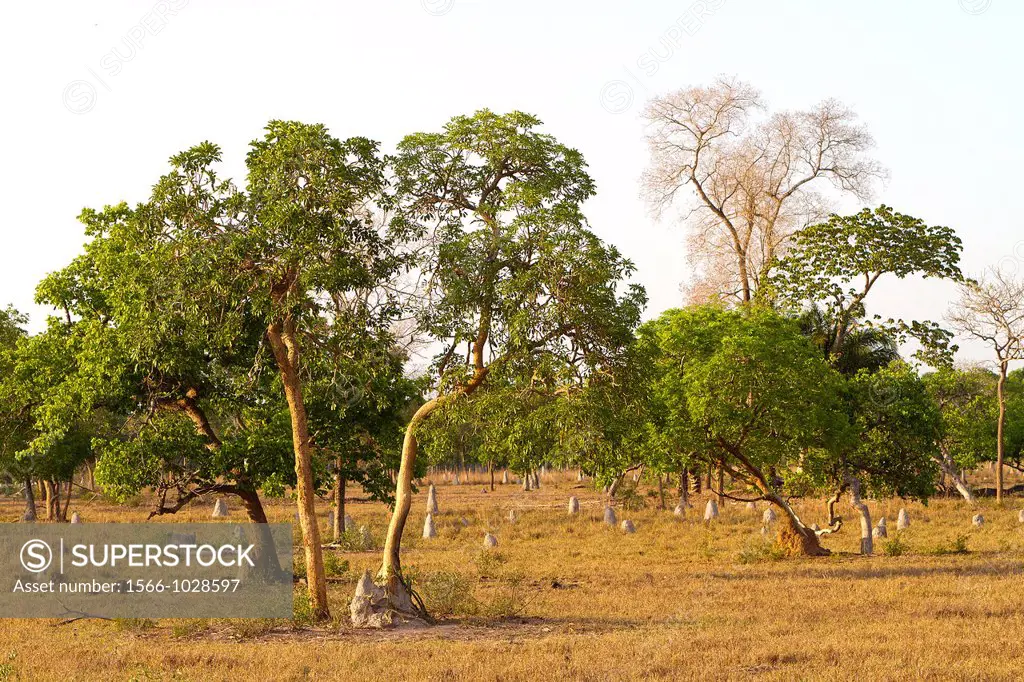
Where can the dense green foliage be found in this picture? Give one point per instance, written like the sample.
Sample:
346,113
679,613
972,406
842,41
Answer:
517,279
248,337
834,265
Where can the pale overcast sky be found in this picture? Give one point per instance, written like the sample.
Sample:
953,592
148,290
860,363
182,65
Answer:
98,94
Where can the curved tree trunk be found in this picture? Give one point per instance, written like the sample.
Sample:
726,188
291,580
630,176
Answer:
390,574
252,505
286,353
835,522
398,596
795,537
866,542
948,468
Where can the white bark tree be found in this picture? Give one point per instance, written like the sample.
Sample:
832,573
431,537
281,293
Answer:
746,183
991,309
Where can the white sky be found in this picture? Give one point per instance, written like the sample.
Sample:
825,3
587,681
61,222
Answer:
937,82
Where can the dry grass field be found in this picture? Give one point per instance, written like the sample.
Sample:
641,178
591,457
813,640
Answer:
569,598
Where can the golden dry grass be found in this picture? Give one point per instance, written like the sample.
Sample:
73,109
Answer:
677,600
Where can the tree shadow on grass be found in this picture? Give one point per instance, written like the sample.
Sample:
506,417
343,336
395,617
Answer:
858,568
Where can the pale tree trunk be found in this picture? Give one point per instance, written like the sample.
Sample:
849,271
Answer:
399,597
949,470
339,504
286,353
30,500
390,574
1000,445
661,490
614,487
52,500
866,542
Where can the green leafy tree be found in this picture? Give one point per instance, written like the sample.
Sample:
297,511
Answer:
15,420
834,265
309,240
746,390
991,310
57,414
515,277
966,399
862,347
897,426
169,349
191,289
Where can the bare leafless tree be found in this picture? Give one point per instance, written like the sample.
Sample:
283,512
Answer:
991,309
746,181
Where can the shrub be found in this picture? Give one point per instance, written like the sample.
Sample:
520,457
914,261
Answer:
7,670
958,546
302,612
760,551
895,546
447,593
334,565
352,541
706,546
488,562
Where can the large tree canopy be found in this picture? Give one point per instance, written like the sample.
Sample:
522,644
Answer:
216,307
835,264
518,289
748,391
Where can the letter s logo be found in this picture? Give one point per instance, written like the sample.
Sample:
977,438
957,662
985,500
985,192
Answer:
36,556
